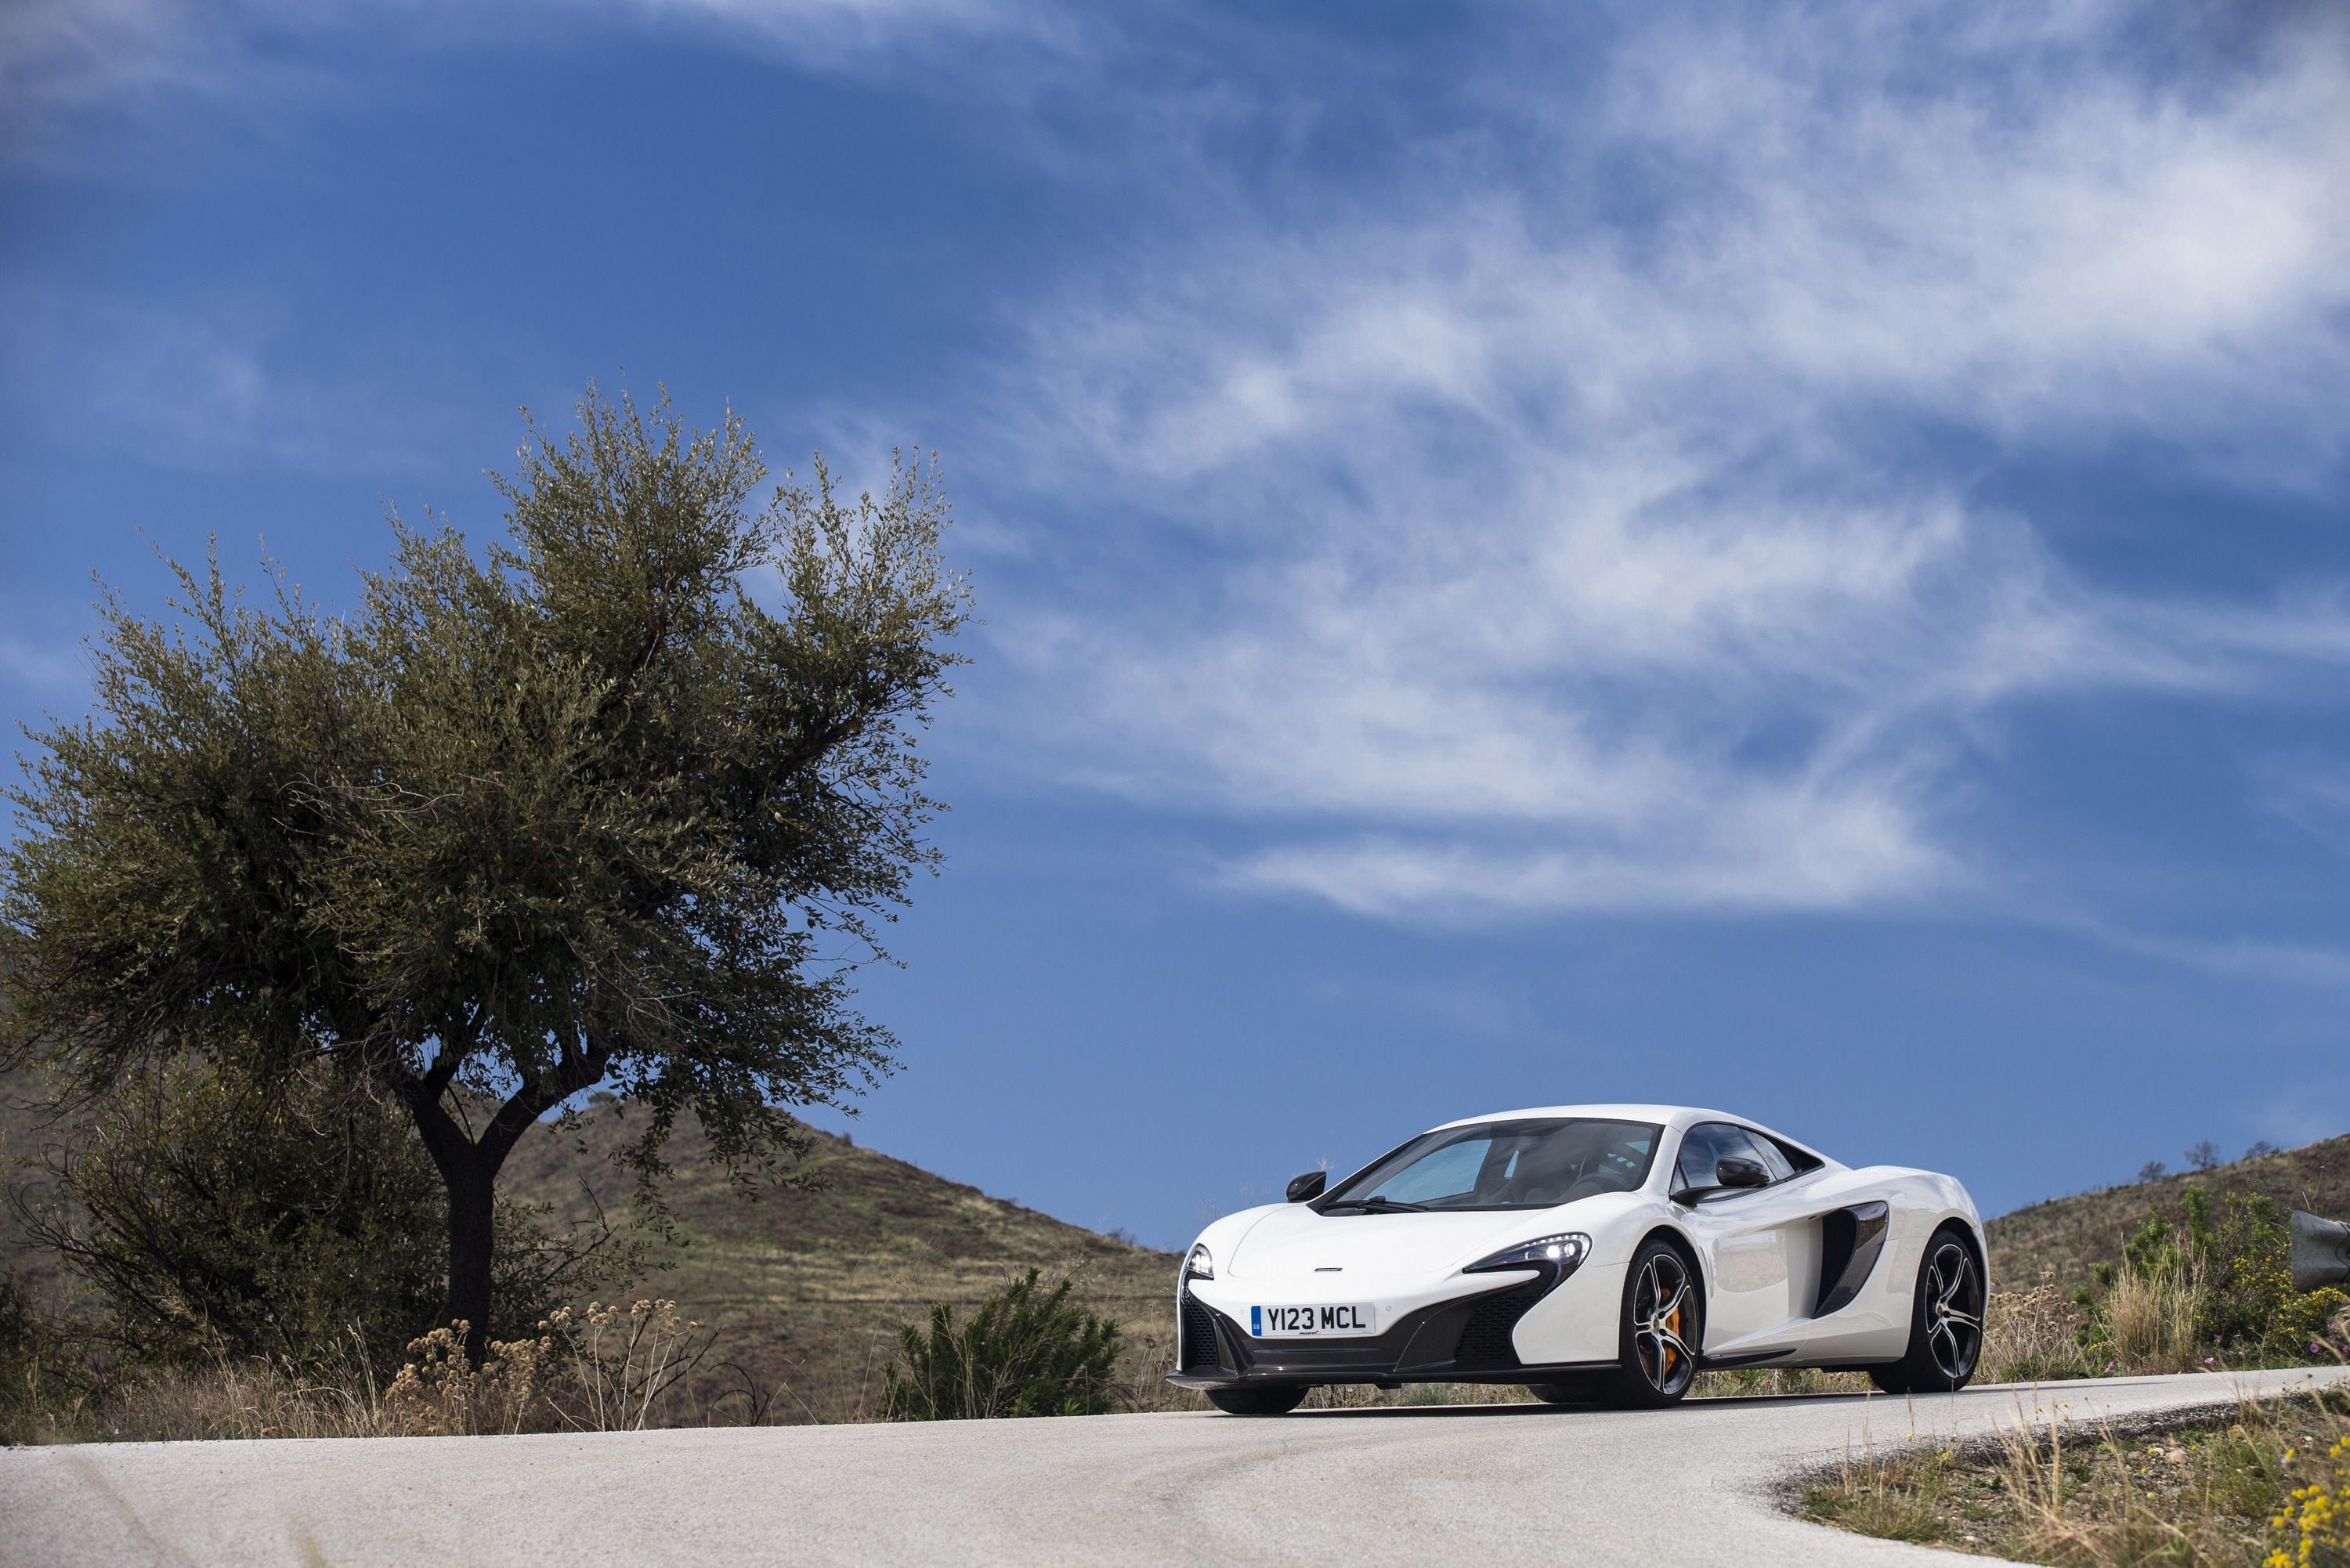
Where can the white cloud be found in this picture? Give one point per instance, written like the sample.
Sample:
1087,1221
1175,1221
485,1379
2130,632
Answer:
1568,560
837,30
65,63
209,385
1560,511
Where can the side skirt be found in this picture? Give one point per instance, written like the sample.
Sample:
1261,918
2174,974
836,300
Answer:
1549,1371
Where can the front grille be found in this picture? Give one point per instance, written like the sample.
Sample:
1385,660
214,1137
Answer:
1199,1351
1485,1338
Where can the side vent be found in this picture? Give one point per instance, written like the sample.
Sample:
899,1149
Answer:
1850,1241
1201,1351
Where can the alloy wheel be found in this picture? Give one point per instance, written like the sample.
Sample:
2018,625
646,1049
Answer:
1661,1313
1954,1303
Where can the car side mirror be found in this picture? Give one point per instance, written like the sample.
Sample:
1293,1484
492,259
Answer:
1733,1172
1308,1186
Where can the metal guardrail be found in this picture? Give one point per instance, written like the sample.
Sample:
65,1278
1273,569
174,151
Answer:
2320,1251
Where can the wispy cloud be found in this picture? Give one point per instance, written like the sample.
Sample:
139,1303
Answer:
2313,795
1544,480
1563,557
65,63
210,385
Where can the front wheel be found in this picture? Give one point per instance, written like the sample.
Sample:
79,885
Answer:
1276,1399
1945,1323
1663,1325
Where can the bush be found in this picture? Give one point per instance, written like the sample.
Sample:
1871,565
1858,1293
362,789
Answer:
441,1394
2218,1284
1023,1353
305,1226
22,1346
2312,1529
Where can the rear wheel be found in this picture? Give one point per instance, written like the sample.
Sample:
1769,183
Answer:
1945,1323
1663,1325
1275,1399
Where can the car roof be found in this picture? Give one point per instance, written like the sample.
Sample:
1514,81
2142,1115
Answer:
1669,1114
1673,1119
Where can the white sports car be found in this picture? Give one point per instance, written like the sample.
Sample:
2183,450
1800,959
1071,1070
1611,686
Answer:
1591,1253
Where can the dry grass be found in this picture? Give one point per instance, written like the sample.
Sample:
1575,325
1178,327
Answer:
2034,1335
1749,1382
2220,1492
2152,1322
231,1400
804,1290
621,1367
1364,1396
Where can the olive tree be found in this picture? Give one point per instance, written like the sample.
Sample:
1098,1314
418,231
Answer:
624,798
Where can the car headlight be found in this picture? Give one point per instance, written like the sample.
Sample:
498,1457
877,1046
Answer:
1560,1254
1200,1264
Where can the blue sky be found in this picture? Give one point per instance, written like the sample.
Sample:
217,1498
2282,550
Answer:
1793,559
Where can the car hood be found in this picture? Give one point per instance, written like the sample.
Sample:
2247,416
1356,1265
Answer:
1294,1243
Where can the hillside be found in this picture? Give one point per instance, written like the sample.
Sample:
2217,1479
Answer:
2068,1234
805,1289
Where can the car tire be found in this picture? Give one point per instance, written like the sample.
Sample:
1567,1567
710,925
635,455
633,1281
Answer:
1277,1400
1660,1330
1581,1392
1945,1322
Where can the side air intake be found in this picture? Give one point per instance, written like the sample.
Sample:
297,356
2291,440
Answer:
1850,1241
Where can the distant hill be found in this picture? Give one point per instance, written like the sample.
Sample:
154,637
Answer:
2068,1234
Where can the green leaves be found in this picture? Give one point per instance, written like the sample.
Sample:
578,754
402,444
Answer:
300,1221
623,797
1022,1353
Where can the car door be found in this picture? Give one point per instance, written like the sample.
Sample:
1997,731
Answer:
1756,1241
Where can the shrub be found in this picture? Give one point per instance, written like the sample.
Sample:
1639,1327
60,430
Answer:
2219,1284
624,1360
23,1336
1023,1353
2307,1324
2312,1529
439,1393
304,1225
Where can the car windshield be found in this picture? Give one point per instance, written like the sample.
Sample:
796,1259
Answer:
1530,1164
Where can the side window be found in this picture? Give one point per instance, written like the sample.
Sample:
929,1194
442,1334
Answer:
1706,1145
1774,1158
1700,1149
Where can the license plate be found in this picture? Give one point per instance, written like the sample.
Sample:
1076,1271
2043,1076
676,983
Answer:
1309,1322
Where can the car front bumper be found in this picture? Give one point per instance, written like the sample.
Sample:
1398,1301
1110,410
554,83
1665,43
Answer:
1464,1339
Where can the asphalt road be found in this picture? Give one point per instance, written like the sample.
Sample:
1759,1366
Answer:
1418,1484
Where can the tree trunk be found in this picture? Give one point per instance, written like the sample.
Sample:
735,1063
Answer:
469,1171
470,1208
